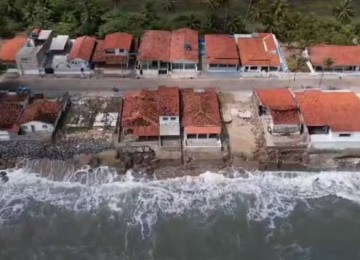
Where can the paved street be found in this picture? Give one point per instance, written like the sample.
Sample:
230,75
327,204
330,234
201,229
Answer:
72,85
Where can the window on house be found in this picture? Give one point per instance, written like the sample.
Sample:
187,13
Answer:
24,127
121,50
110,51
129,131
222,66
213,65
202,136
189,66
213,136
344,135
253,68
191,136
173,118
45,126
165,119
177,66
231,66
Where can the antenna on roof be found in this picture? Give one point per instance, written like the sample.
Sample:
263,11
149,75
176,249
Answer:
187,47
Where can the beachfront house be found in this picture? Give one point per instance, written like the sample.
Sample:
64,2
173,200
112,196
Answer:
331,118
343,58
260,52
41,117
278,111
221,53
201,119
152,116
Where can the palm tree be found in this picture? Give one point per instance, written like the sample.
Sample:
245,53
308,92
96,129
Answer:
168,5
258,12
236,25
344,11
328,62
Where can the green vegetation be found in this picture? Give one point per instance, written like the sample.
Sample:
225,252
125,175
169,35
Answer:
299,23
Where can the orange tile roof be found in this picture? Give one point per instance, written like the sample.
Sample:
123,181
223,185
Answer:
259,50
201,111
182,39
286,117
282,105
118,40
10,48
99,53
342,55
154,46
338,110
142,109
221,49
41,110
276,98
82,48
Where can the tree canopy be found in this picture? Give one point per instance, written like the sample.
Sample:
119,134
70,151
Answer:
100,17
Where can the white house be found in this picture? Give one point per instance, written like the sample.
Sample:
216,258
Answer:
41,117
332,118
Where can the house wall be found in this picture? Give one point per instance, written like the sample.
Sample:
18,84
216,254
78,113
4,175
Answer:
351,68
78,64
37,126
334,140
184,69
4,136
260,68
169,126
222,67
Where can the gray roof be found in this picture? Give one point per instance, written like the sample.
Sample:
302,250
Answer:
44,34
58,43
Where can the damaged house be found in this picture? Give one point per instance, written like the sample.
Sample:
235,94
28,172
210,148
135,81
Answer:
152,116
278,110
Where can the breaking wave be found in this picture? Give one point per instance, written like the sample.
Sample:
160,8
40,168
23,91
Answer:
266,195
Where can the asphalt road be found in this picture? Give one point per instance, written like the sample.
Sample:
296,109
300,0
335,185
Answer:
104,85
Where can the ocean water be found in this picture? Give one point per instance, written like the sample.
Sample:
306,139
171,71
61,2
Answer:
260,215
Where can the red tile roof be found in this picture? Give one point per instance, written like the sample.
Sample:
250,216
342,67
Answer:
281,103
99,53
201,111
118,40
82,48
260,50
10,113
286,117
338,110
184,45
41,110
10,48
276,98
142,109
221,49
342,55
169,46
154,46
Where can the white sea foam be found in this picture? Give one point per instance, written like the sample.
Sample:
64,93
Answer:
266,195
